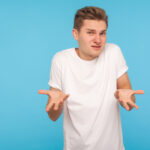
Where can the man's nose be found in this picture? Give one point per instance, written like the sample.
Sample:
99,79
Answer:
97,39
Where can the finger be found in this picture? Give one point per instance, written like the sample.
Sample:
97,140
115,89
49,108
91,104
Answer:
131,103
49,106
43,92
49,100
56,106
119,100
138,91
125,105
61,101
66,96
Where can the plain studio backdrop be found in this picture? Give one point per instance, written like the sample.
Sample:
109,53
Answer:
31,32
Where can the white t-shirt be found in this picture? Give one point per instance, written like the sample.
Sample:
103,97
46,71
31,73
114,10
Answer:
91,116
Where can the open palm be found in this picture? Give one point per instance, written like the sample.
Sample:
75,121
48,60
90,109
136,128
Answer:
56,98
126,97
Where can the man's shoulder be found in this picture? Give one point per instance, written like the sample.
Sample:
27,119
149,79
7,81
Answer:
62,54
112,49
111,46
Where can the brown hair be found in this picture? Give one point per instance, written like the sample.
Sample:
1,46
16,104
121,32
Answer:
91,13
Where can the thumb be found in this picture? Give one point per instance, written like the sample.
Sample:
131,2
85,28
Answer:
45,92
138,91
66,96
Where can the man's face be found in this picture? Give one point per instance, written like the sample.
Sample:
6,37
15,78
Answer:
91,38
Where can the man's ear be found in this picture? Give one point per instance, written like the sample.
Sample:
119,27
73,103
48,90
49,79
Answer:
75,33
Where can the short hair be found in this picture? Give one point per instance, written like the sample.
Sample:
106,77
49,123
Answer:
91,13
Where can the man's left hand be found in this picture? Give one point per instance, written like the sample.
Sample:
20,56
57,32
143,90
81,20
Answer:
126,97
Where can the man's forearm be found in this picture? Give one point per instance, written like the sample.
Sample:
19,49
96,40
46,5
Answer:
124,83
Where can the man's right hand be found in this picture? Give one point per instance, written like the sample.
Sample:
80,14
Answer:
55,97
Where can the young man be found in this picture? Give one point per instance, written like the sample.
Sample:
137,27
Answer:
95,76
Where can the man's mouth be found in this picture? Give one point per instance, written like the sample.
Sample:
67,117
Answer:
96,47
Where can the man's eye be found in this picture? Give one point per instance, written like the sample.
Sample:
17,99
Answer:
103,33
90,32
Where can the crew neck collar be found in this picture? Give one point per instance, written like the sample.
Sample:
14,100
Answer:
83,60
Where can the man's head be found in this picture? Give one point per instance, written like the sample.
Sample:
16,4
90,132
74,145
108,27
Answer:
90,13
90,26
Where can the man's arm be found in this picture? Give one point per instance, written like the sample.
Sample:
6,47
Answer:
123,82
55,102
53,113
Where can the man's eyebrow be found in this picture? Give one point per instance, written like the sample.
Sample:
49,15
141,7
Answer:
104,30
90,29
95,30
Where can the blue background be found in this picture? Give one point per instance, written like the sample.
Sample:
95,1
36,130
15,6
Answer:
31,32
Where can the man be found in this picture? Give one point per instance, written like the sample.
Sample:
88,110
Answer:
95,76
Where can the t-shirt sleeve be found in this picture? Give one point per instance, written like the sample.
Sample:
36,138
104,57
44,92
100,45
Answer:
55,73
121,66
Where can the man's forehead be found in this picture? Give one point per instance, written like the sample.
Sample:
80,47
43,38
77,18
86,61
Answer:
94,25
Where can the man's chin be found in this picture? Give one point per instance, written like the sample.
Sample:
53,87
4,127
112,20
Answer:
93,56
97,53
